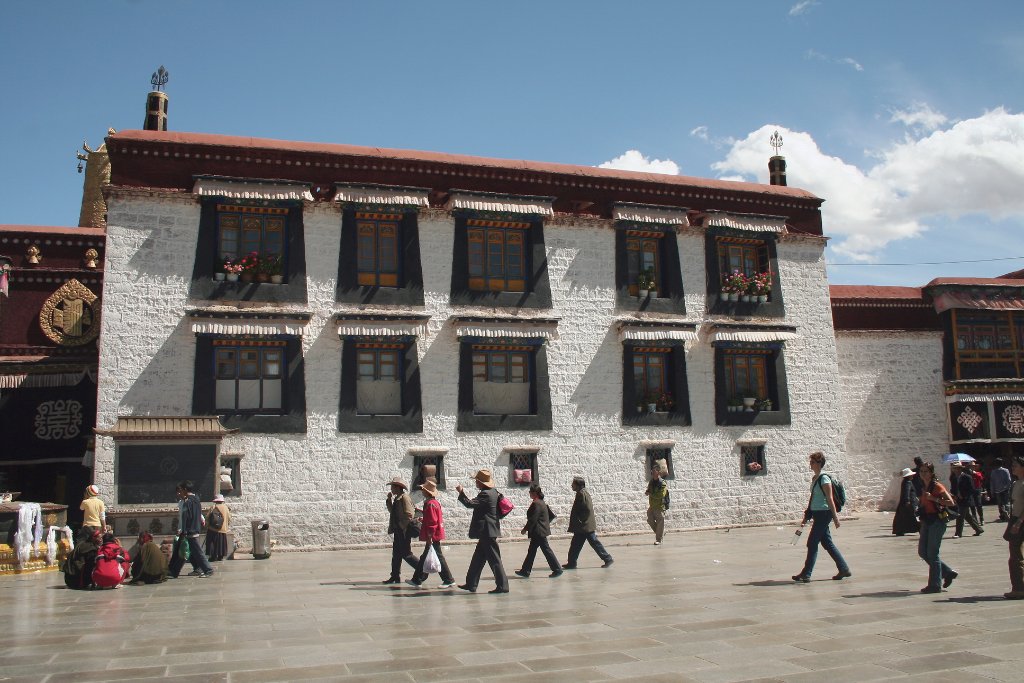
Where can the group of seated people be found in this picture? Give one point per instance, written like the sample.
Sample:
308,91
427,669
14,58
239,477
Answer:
99,561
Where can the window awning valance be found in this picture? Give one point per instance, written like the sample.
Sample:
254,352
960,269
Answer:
381,325
190,427
38,380
240,322
752,334
654,330
382,194
246,188
486,201
1010,300
644,213
963,398
745,221
523,328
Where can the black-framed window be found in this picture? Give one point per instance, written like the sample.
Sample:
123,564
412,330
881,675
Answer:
249,376
427,465
752,255
654,374
233,229
232,372
656,453
499,260
522,468
752,460
230,475
651,254
379,260
380,385
750,384
503,385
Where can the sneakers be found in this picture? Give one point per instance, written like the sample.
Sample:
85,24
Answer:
447,584
520,572
195,572
657,543
607,563
206,575
844,574
800,578
1014,595
413,583
948,580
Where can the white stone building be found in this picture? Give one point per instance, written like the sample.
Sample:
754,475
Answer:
461,312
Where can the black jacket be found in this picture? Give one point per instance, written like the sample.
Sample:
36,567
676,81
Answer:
538,520
485,522
581,518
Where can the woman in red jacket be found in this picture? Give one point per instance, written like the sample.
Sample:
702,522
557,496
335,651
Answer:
431,531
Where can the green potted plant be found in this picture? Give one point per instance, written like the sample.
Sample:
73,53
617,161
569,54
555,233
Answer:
643,284
274,267
652,402
764,404
735,404
219,270
666,403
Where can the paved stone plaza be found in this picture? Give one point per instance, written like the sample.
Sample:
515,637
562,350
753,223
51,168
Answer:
705,606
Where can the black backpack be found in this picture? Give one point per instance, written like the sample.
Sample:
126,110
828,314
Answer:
216,519
838,491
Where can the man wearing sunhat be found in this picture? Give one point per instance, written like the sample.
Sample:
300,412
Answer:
401,510
486,528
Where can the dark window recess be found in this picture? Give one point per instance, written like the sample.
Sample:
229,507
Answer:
503,385
428,465
499,260
654,373
660,453
522,467
230,476
380,385
751,254
750,384
379,260
232,229
255,383
752,462
985,344
650,257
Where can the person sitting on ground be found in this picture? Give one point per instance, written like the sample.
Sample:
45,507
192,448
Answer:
149,563
79,564
112,564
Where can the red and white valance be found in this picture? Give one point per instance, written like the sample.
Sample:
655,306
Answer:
644,213
523,329
294,328
486,201
239,188
382,328
752,335
745,221
382,194
654,332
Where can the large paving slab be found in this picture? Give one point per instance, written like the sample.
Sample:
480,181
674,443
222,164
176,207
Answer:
712,606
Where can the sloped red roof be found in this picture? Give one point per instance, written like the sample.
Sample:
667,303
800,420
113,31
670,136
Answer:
54,230
873,292
976,282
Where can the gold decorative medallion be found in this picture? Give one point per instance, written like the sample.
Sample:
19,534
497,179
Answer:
71,317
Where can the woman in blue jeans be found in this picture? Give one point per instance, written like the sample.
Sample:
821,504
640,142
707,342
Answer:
934,497
821,509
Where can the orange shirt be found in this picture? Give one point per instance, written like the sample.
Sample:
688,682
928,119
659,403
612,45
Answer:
936,489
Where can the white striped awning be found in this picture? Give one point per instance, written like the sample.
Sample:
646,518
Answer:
745,221
244,188
381,328
382,194
46,381
963,398
486,201
655,332
522,329
644,213
752,335
294,328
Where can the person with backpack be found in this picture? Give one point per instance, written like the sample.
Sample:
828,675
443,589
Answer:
218,521
583,527
537,528
79,564
822,509
112,564
485,526
190,522
657,500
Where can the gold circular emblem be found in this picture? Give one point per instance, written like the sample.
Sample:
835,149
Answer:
71,317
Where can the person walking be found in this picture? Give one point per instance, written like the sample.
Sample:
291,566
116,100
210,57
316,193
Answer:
190,522
537,528
918,484
432,532
1015,532
657,500
905,520
821,509
978,500
217,524
401,513
95,512
485,526
964,492
934,497
583,526
999,486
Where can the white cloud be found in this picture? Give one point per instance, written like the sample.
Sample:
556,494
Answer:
845,61
974,167
633,160
801,7
701,133
920,116
850,61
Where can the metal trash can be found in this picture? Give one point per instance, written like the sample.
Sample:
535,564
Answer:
260,539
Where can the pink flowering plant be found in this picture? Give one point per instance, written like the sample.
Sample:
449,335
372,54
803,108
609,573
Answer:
734,282
250,263
754,467
665,402
760,284
232,268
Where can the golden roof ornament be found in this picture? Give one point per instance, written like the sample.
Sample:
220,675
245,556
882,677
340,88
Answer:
91,257
33,254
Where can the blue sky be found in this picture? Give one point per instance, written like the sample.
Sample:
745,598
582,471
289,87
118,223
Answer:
907,117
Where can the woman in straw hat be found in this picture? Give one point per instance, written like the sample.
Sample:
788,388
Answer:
486,528
905,519
431,531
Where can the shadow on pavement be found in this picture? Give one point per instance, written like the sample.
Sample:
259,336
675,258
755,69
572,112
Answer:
884,594
971,599
767,582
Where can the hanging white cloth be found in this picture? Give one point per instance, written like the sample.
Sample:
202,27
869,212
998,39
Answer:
51,542
30,532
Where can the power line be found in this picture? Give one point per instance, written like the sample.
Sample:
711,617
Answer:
930,263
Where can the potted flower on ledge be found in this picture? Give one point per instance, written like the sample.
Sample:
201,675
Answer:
735,404
250,264
220,271
733,284
273,267
652,402
761,286
232,271
645,284
764,404
665,403
754,467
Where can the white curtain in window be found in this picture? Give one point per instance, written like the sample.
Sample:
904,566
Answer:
378,397
272,394
501,398
248,394
225,394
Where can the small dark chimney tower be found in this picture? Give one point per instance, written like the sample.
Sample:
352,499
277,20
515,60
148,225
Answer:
777,164
156,102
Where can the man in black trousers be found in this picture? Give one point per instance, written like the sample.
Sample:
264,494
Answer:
583,526
486,528
400,523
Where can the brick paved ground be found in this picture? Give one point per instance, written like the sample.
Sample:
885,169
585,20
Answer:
709,606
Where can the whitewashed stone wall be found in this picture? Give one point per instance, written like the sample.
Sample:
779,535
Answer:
327,489
893,409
